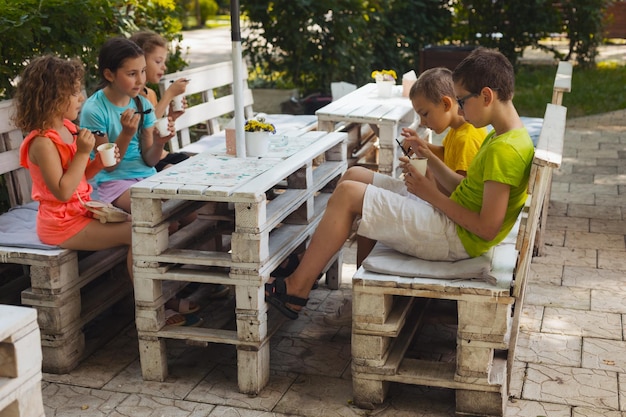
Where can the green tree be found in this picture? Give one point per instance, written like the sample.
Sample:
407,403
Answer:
76,28
582,21
400,29
510,26
315,42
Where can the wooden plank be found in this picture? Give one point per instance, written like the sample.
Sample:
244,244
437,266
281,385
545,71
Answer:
550,146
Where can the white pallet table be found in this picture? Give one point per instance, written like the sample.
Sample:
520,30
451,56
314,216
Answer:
386,116
264,233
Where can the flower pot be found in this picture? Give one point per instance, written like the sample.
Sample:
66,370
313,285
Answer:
257,143
385,88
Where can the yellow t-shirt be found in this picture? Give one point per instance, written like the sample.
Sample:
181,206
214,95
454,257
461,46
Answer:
461,145
507,159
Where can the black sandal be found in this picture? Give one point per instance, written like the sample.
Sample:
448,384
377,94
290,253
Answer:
276,295
293,261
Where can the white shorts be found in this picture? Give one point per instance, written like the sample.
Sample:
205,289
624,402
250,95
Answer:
407,223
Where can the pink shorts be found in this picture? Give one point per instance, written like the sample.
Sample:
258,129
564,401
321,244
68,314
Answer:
407,223
109,191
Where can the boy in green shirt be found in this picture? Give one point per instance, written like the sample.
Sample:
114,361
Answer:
415,217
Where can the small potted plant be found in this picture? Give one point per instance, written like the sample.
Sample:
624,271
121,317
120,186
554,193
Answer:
385,80
258,136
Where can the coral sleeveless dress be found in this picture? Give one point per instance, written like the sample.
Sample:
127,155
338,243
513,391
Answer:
57,220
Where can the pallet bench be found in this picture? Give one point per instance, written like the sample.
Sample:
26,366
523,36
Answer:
20,363
67,288
211,105
388,310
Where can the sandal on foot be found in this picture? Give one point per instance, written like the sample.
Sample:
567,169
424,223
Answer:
174,318
182,305
293,261
276,295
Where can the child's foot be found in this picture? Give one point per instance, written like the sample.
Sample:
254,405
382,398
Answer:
288,305
289,266
173,318
182,305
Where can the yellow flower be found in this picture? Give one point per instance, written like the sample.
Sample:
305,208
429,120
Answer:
259,125
384,75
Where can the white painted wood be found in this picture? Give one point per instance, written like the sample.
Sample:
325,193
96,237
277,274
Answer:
263,233
56,275
488,314
385,115
207,82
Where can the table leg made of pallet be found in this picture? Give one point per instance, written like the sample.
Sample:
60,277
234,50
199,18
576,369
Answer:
386,116
264,233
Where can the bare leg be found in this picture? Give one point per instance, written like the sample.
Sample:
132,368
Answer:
359,174
364,246
344,205
98,236
123,201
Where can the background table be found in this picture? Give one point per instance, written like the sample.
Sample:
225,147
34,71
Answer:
264,233
386,116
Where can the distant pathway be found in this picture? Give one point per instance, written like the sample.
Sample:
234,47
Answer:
206,46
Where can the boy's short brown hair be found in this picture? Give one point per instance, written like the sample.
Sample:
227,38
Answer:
486,68
433,84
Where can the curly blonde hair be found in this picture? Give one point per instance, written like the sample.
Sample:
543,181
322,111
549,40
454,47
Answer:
44,89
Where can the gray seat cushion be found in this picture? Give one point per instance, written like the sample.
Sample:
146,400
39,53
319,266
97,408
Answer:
18,228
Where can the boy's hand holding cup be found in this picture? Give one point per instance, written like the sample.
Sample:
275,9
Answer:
420,163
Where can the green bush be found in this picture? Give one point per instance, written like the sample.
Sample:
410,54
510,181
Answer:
318,42
593,89
76,28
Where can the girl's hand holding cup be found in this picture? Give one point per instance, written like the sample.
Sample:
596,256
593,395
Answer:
179,102
164,130
109,154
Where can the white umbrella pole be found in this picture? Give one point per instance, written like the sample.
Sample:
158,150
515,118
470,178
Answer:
237,59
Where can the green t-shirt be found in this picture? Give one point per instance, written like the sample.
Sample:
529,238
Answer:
506,159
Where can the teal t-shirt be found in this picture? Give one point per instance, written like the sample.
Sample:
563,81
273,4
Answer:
507,159
98,113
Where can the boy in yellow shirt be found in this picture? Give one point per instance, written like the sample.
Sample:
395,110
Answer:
432,97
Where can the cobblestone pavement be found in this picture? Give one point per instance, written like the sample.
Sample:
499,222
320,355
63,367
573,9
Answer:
571,357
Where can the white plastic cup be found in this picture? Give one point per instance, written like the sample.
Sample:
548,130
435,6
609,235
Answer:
162,126
385,88
178,103
107,154
420,164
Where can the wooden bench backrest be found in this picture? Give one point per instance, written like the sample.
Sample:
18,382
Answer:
213,84
548,155
562,82
16,179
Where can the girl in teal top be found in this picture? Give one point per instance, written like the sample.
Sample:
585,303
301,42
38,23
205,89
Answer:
126,118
